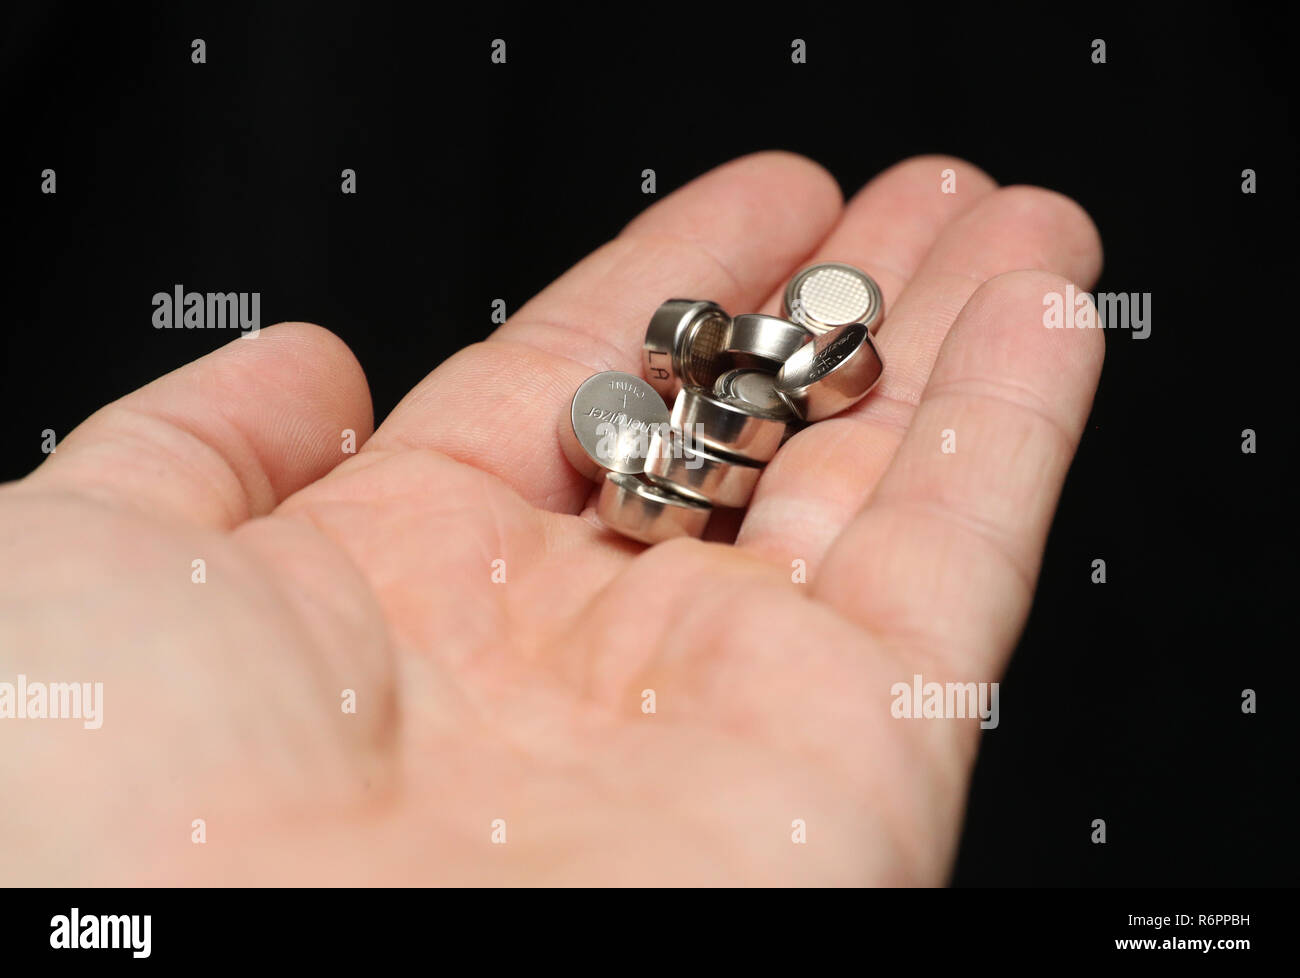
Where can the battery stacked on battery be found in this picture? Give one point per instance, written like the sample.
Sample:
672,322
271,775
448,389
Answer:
738,387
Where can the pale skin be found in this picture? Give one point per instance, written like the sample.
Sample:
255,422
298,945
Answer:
523,701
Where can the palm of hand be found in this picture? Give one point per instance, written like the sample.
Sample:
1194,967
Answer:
612,714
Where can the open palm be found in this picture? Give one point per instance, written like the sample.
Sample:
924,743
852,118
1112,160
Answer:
538,700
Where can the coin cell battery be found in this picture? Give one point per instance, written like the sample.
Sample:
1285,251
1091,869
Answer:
692,471
647,512
832,294
833,372
610,424
683,345
762,342
724,424
755,389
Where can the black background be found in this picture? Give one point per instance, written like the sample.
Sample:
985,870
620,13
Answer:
225,927
479,181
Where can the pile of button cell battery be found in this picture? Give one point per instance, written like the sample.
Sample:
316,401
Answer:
738,385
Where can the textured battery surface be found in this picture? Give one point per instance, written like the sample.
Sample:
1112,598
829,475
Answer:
702,359
833,296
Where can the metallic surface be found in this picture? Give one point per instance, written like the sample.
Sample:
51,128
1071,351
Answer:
683,345
647,512
833,372
723,424
610,422
695,472
754,388
762,342
832,294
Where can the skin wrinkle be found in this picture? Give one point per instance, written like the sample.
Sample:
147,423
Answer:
291,349
501,550
641,238
550,500
131,434
550,363
781,747
1029,403
970,523
452,453
615,358
470,457
302,438
904,409
681,809
252,474
307,518
899,282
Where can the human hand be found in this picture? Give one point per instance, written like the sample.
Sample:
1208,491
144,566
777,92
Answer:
522,701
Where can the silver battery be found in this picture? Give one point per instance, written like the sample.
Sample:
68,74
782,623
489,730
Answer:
726,425
610,422
756,389
762,342
832,294
692,471
683,345
647,512
833,372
